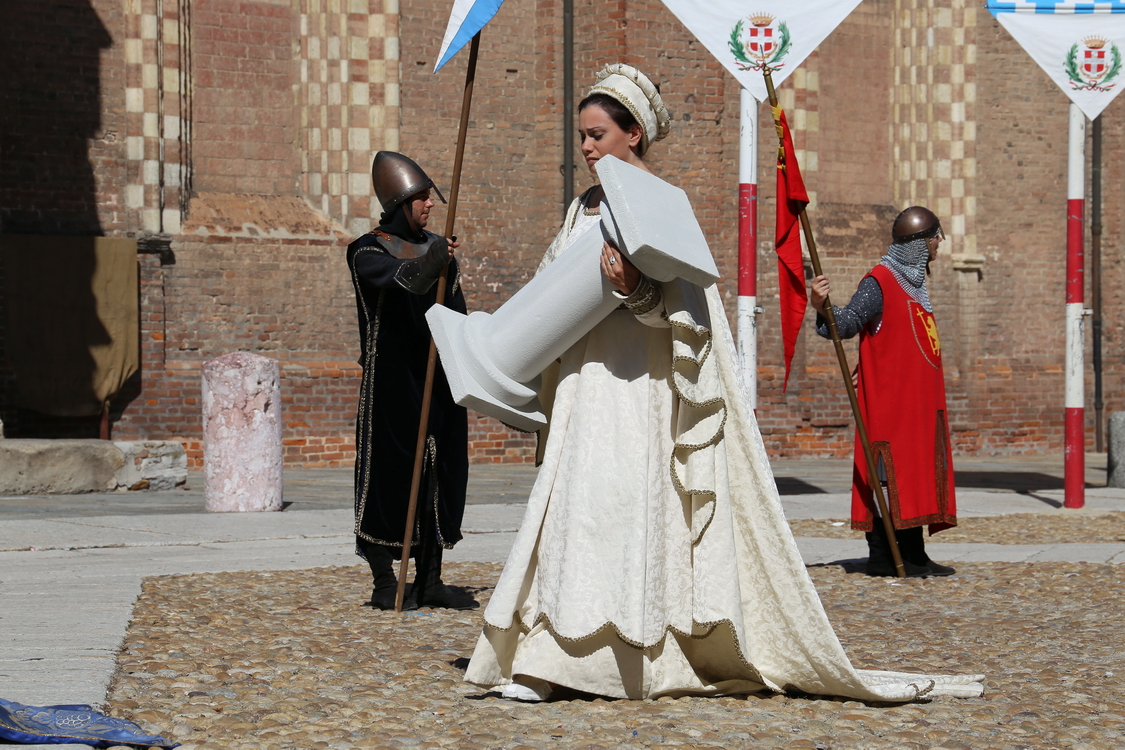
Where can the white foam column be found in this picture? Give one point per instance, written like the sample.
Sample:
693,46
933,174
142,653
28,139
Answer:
492,362
559,306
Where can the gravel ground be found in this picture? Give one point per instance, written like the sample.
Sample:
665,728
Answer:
291,660
1018,528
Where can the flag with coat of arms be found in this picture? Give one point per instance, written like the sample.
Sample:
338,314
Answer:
745,38
1078,44
774,36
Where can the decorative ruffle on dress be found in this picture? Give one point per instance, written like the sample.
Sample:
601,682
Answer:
654,557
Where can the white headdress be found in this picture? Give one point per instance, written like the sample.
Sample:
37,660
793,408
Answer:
632,88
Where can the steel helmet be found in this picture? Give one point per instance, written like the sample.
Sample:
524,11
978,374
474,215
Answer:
396,177
915,223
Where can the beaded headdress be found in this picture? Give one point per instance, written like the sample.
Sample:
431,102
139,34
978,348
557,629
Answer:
633,89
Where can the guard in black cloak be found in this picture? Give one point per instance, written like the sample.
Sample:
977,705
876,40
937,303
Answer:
394,269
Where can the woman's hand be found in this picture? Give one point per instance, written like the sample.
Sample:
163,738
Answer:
818,292
620,272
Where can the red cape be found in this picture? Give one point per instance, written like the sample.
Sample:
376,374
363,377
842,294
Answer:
902,399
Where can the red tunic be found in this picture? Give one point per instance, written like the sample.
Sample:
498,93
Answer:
902,398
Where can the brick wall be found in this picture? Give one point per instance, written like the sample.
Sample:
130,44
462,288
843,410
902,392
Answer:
285,102
61,148
243,73
61,144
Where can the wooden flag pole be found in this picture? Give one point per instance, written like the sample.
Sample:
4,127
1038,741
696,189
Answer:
431,363
830,316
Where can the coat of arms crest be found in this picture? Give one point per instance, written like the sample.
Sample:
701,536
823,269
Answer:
760,45
1092,67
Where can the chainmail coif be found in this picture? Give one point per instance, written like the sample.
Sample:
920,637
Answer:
908,261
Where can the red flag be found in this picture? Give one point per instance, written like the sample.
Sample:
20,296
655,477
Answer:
791,199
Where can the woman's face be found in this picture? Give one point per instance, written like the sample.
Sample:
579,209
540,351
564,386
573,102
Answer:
601,136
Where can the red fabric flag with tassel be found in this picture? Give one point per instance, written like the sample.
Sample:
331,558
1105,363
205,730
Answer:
791,199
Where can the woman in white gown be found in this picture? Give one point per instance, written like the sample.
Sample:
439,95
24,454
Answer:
654,558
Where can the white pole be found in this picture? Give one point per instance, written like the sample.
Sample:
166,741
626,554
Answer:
748,244
1074,413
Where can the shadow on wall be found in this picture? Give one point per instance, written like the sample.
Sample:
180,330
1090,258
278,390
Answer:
50,113
50,110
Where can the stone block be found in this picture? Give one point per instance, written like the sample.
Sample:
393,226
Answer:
58,467
242,453
151,465
1116,458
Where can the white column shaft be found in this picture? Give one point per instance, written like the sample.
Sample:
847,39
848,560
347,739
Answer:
555,309
748,346
1075,342
1076,155
748,139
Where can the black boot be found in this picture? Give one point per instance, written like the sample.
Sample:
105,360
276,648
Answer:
429,591
880,561
381,560
912,545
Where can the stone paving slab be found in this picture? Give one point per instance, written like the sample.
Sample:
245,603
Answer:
491,519
1092,553
312,489
970,503
821,551
304,489
199,528
178,529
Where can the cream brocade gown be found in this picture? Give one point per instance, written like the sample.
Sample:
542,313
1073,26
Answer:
654,557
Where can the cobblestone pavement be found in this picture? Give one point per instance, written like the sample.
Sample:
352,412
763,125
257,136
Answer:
333,674
1018,528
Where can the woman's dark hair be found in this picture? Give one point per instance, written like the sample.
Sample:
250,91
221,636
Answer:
617,111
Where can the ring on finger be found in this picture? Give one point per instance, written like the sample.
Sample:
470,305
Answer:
612,260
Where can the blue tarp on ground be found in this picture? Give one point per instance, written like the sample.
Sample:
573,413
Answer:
58,725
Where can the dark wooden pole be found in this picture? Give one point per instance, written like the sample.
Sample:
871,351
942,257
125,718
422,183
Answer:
431,362
103,423
568,102
842,357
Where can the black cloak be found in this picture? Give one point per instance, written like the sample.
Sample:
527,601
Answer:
394,345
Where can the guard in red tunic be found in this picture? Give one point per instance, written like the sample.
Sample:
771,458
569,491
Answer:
901,390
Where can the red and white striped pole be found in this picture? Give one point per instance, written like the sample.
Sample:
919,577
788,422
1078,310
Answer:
1075,413
748,244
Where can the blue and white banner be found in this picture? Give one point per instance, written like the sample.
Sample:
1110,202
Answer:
777,34
1050,6
1077,44
465,20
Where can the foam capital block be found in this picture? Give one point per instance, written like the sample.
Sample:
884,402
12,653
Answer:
654,224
